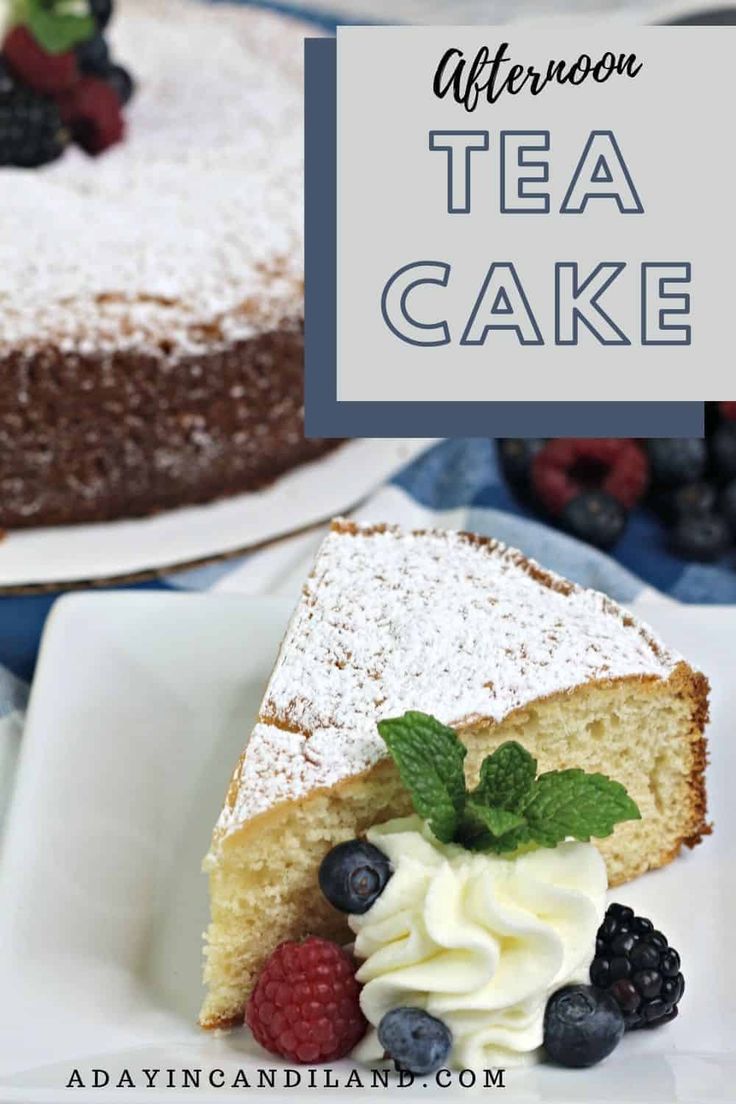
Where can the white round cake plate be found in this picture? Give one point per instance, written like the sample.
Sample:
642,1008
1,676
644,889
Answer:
78,554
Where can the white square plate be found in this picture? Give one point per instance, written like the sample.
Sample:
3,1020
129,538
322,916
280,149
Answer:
139,710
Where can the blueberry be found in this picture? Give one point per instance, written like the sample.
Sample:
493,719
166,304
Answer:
582,1025
727,506
101,12
121,82
353,874
595,517
687,500
417,1042
676,460
516,455
701,538
93,55
723,451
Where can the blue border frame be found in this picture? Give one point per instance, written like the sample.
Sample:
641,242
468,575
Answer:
326,417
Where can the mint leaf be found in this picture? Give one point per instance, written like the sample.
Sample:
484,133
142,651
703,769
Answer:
483,826
509,809
492,819
500,845
488,828
57,27
429,757
506,776
572,803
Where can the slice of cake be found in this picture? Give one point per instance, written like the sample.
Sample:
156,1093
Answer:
474,633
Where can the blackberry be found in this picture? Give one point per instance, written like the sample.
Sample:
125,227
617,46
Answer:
93,55
636,966
31,130
353,875
121,83
596,517
101,12
7,81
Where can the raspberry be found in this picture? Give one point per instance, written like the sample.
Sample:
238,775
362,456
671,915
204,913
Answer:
93,111
51,74
305,1006
567,466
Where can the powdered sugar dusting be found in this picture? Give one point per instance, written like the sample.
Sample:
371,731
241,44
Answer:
441,622
188,234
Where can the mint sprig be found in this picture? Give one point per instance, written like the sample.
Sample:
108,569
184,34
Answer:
429,758
510,807
56,25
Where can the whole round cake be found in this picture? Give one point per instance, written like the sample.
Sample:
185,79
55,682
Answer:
151,344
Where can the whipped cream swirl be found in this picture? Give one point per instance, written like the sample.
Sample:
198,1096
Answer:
478,940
